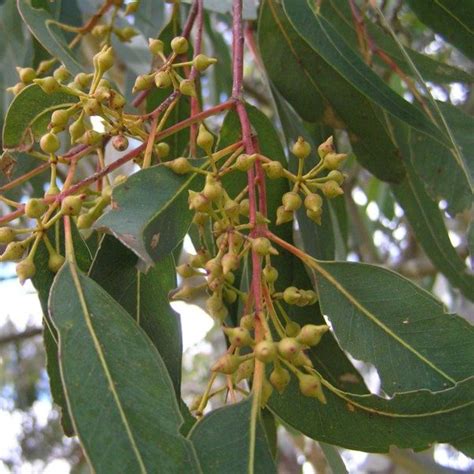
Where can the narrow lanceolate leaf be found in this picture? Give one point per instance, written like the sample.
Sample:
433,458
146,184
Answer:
150,213
119,393
41,24
447,177
454,21
145,297
369,423
28,108
223,443
42,282
338,13
430,230
382,318
321,94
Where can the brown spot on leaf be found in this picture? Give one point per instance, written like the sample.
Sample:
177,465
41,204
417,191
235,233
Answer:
154,241
7,163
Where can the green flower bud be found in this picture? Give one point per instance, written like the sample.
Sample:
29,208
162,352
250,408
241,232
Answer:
55,262
198,202
35,208
313,202
213,189
201,62
262,246
59,119
309,296
331,189
156,46
116,100
90,137
13,252
104,59
163,79
283,216
77,129
205,139
280,378
245,370
230,296
71,205
265,351
244,207
132,7
179,165
85,221
61,74
245,162
267,391
332,161
26,74
336,176
50,143
301,149
126,33
247,321
7,235
311,334
273,169
25,269
326,147
291,295
83,80
48,84
227,364
291,201
179,44
310,386
16,89
238,336
315,216
187,87
100,31
292,329
270,274
288,347
230,261
143,82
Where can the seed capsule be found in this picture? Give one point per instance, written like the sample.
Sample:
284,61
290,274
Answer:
120,143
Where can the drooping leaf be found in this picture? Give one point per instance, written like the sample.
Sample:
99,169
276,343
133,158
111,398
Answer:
180,140
119,393
338,13
145,297
380,317
320,94
42,282
222,441
453,20
373,424
249,7
41,24
150,213
430,230
27,109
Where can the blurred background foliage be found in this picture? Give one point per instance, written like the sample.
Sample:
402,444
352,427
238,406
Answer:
374,229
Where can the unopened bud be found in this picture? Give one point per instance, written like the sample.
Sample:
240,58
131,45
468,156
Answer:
273,169
301,149
201,62
311,334
265,351
179,44
326,147
280,378
310,386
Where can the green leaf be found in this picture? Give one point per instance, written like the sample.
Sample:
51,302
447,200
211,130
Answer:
42,282
222,441
380,317
145,297
453,20
119,393
430,230
373,424
249,9
41,24
180,140
333,458
28,108
319,93
149,17
446,177
338,13
150,213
